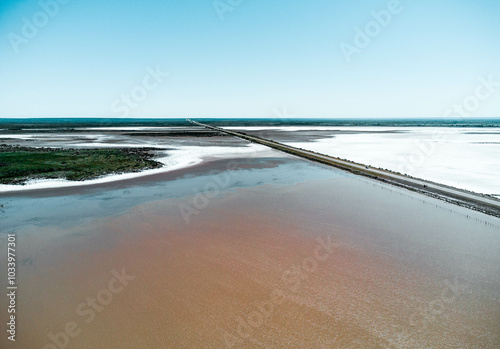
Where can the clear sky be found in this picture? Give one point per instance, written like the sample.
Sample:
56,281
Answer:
248,58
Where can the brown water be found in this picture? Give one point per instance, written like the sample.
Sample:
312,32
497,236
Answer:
391,269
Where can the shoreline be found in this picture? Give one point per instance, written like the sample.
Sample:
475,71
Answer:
175,160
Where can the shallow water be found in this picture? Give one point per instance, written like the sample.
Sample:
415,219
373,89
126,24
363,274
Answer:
42,207
401,270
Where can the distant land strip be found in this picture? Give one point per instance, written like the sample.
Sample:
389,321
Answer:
478,202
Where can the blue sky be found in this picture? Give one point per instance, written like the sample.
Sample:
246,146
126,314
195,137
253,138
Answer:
249,58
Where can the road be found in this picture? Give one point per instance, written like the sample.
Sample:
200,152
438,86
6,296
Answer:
457,196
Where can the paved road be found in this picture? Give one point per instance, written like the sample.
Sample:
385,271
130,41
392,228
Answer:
487,204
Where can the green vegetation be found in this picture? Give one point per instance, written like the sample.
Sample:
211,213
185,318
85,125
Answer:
19,164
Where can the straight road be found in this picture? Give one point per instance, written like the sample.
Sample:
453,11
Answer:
460,197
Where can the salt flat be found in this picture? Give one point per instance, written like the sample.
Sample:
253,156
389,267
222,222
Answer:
463,157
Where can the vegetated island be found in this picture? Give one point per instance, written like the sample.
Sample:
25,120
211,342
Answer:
20,164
